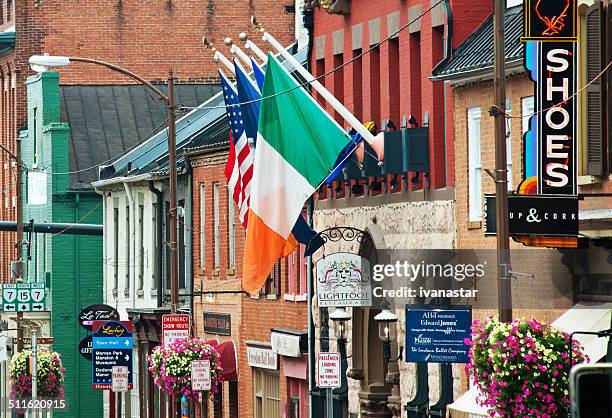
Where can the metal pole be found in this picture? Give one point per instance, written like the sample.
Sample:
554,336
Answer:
19,245
311,325
501,172
172,215
34,369
172,211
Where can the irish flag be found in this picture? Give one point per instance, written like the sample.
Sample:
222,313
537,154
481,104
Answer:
297,145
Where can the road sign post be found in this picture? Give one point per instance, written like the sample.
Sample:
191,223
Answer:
23,297
200,375
174,327
111,346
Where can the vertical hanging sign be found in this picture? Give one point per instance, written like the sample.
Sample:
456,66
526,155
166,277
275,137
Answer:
550,32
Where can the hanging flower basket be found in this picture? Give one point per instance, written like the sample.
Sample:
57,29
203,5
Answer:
171,368
522,368
50,375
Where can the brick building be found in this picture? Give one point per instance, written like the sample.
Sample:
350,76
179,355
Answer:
148,38
566,282
406,206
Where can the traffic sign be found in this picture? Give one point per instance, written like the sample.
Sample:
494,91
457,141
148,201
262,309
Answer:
111,346
120,376
200,375
85,347
174,327
24,297
328,366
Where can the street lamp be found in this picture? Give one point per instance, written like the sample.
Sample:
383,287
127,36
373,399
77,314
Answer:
386,332
42,63
340,317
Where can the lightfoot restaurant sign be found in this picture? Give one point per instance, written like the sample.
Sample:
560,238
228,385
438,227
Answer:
343,279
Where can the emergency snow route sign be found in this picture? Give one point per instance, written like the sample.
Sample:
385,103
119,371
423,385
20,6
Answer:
24,297
174,327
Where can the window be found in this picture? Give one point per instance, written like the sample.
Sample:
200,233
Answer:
357,84
298,398
375,85
217,247
512,3
141,249
180,224
394,81
266,394
474,167
509,144
527,109
297,282
231,232
271,288
115,260
35,136
202,227
155,248
338,84
127,250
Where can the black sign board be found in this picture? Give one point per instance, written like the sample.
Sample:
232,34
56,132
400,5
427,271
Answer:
437,335
536,215
112,345
556,118
85,347
550,20
97,312
217,323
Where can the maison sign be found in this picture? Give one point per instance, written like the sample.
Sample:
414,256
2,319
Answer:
536,215
343,279
217,323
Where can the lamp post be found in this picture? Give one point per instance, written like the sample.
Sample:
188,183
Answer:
340,317
386,332
42,63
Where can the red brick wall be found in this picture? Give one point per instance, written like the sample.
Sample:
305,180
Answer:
252,319
400,98
147,37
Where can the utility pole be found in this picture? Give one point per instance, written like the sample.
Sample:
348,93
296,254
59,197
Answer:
172,210
19,243
504,292
34,369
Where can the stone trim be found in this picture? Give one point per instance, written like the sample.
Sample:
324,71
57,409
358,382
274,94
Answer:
210,160
393,24
338,41
319,44
374,31
357,36
413,13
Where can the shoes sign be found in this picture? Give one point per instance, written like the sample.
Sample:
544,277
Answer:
24,297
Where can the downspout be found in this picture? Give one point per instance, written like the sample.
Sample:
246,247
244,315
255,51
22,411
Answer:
448,52
189,240
131,266
158,237
311,325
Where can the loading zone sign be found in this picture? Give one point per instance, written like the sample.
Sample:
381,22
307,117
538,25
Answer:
328,367
24,297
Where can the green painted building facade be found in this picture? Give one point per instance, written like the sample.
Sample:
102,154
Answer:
71,265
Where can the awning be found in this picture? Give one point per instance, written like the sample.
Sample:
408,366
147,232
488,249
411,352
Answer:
229,363
584,316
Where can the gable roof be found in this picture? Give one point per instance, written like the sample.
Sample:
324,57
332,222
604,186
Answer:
205,127
475,55
106,121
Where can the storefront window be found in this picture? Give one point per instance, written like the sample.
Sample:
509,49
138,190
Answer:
266,394
298,398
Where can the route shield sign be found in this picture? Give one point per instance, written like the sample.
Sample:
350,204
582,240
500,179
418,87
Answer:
112,345
24,297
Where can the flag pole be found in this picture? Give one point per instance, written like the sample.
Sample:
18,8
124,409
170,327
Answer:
240,54
335,103
220,57
253,47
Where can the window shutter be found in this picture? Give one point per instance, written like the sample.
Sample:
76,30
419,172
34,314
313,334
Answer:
595,156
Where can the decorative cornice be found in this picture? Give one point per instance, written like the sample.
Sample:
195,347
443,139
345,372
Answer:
209,159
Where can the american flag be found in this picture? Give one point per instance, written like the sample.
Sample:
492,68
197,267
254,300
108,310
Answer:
239,167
